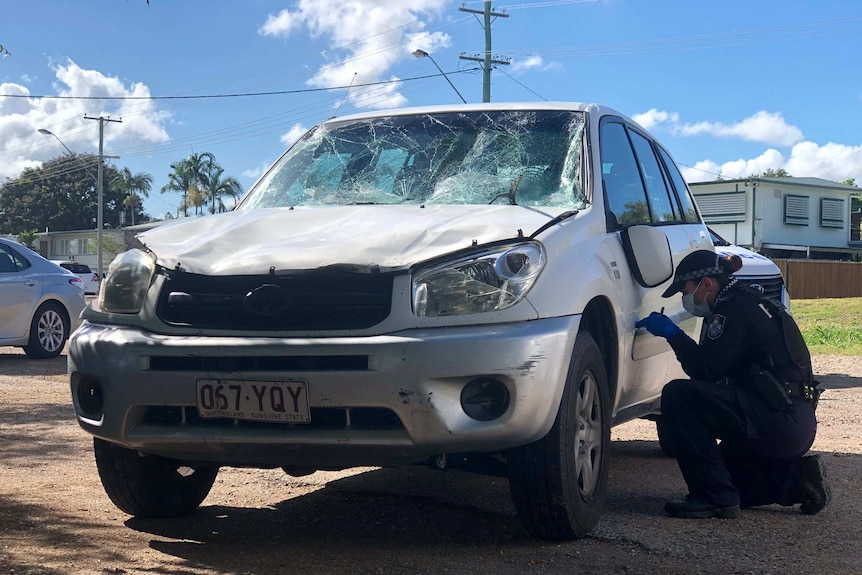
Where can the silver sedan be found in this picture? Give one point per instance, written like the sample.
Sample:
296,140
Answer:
41,302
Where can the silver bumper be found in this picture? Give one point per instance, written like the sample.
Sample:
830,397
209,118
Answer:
418,375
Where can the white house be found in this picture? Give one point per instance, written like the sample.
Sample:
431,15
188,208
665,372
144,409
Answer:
784,217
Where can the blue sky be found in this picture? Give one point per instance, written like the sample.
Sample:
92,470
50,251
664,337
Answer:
731,88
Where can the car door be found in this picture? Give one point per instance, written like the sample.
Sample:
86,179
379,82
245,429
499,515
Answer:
20,294
639,191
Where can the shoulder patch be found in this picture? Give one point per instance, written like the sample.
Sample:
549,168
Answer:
715,327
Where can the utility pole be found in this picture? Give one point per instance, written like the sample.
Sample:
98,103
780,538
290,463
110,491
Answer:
486,59
100,215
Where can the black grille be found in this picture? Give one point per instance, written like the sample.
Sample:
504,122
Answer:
770,285
323,300
361,418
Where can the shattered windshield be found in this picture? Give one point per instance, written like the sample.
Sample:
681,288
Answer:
524,157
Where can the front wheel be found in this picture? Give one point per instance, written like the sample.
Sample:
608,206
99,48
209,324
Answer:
151,486
559,483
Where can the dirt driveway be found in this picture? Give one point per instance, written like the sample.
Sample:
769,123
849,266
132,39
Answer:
55,518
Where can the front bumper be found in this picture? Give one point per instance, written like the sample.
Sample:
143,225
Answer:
148,387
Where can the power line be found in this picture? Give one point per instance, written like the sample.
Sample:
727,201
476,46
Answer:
235,95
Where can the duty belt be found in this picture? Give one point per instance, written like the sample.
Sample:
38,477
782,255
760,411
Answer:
802,391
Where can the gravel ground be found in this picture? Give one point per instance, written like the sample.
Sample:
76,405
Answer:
55,518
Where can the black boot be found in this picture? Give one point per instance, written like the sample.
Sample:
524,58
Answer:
817,492
693,508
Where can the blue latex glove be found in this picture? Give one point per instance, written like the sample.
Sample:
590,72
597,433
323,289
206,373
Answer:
659,325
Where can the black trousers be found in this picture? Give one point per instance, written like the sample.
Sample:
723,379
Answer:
759,459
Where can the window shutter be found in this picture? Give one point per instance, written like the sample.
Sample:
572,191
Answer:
831,213
796,210
723,207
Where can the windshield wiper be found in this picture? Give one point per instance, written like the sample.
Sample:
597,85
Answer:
553,221
510,193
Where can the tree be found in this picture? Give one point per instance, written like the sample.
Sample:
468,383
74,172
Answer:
216,186
850,182
770,173
58,196
27,237
130,185
187,173
201,181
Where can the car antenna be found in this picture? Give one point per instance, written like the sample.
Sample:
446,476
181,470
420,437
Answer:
345,96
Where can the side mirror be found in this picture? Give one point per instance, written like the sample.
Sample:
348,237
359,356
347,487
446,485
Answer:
648,253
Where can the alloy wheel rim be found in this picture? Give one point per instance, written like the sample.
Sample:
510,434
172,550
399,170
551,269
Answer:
50,331
588,447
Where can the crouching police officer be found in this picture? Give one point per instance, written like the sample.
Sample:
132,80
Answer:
751,387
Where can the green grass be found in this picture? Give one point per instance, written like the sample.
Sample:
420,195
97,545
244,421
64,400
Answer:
830,326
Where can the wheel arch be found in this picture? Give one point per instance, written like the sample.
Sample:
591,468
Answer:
598,321
58,304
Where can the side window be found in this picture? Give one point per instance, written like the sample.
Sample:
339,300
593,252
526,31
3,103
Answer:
683,195
621,177
7,265
11,261
658,191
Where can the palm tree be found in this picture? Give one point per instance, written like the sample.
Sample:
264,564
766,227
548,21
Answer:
132,202
131,185
216,186
187,173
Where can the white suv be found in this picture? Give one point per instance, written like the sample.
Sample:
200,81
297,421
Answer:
456,285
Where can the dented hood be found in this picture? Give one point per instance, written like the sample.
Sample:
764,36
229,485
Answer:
367,238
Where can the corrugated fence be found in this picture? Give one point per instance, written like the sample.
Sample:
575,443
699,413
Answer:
813,279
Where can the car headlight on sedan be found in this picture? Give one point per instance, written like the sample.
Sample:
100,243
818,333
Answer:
127,281
482,282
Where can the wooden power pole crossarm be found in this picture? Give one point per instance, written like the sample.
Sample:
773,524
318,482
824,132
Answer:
486,60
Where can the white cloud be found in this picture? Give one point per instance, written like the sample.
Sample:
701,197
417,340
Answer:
765,127
295,132
532,63
20,118
255,173
653,118
364,38
836,162
830,161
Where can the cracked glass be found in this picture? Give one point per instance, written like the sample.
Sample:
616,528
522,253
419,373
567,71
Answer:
524,157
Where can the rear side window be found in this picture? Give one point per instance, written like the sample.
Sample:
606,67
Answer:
682,192
661,207
11,261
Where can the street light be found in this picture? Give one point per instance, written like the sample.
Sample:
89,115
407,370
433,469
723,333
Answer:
98,187
423,54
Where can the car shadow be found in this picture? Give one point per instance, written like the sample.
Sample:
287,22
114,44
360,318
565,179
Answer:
12,363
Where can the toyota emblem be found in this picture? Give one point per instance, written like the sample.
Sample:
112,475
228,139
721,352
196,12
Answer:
267,299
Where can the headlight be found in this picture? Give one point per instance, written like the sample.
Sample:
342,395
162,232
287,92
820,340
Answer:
126,284
484,282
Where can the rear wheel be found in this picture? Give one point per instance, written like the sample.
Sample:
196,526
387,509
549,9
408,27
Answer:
151,486
49,330
559,483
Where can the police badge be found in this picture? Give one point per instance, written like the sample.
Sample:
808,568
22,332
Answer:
715,327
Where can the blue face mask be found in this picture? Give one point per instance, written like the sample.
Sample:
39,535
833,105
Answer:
701,309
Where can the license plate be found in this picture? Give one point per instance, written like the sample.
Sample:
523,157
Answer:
276,401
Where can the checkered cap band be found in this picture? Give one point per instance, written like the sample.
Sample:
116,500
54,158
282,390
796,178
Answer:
701,273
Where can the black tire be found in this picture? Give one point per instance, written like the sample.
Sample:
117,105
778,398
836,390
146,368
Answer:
49,330
665,442
151,486
559,483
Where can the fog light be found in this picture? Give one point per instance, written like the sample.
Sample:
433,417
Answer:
90,398
485,399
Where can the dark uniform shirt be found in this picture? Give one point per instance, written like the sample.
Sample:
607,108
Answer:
741,331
